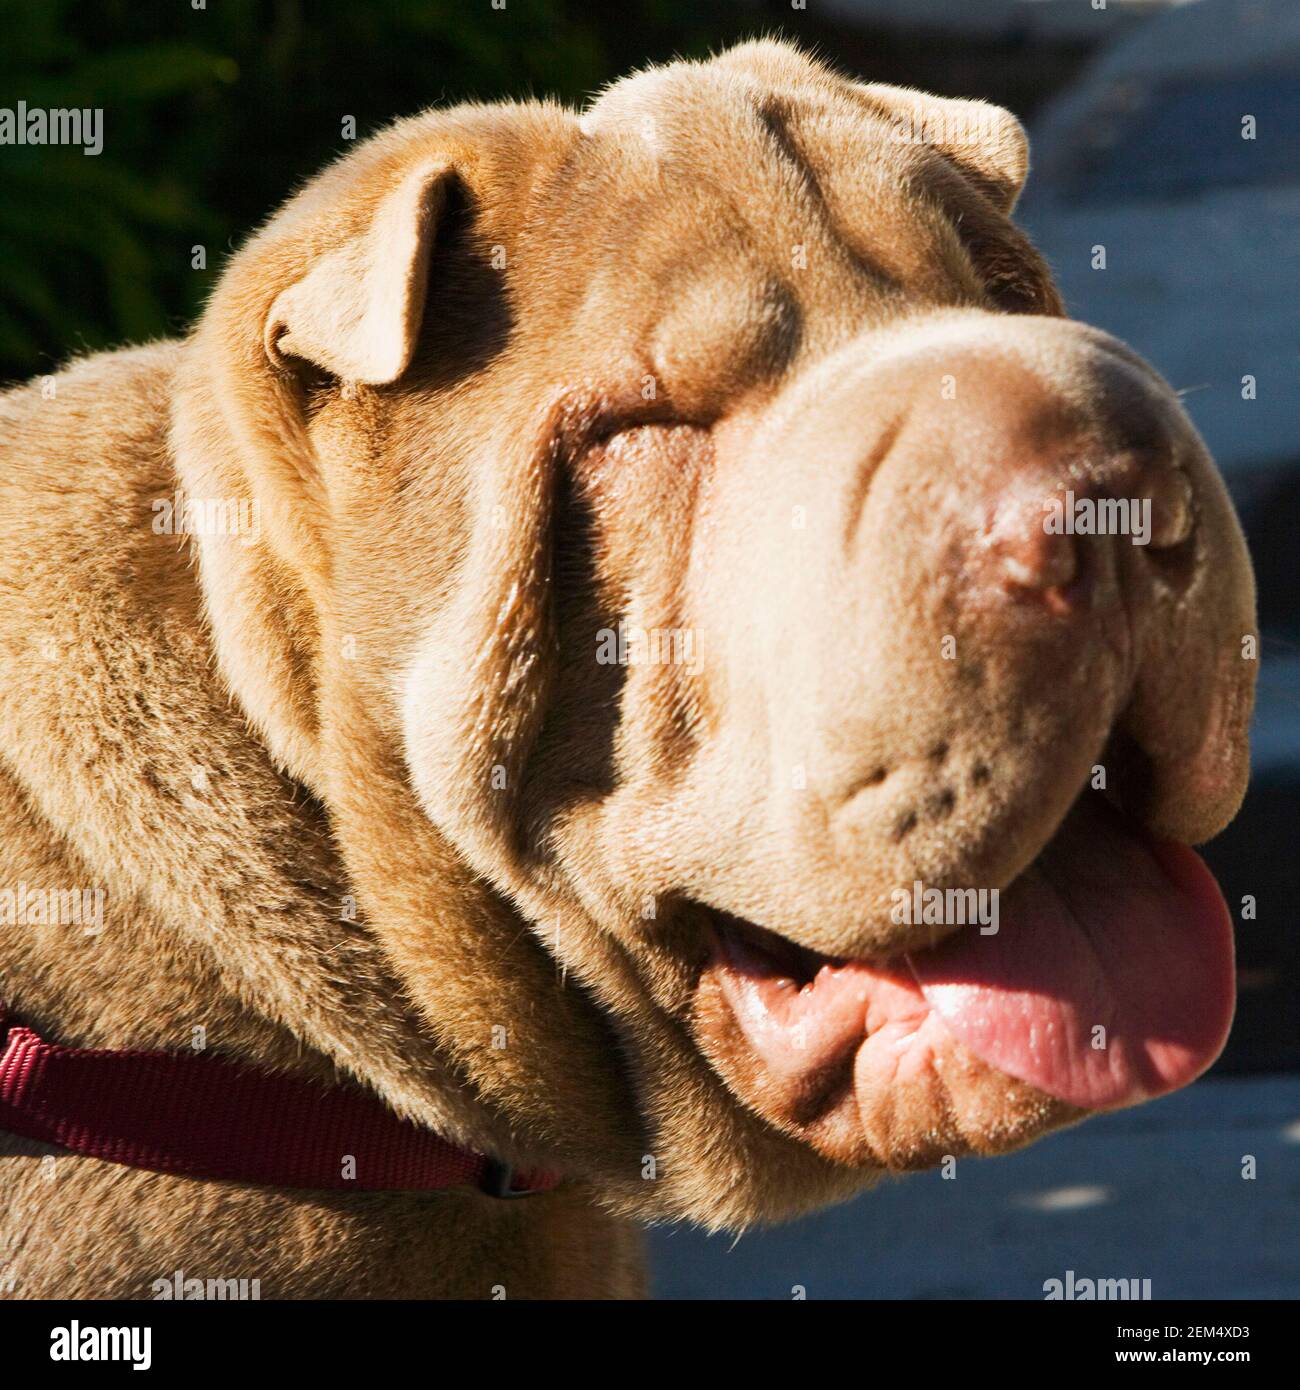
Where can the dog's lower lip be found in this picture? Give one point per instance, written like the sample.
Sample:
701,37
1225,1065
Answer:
803,1013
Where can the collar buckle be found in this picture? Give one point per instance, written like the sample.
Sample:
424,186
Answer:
506,1182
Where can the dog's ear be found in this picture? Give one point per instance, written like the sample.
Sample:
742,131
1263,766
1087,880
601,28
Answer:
358,309
986,142
987,148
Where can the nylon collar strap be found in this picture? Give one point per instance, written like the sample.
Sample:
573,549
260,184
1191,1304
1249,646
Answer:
199,1116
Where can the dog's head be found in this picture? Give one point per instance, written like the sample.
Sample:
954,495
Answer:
696,521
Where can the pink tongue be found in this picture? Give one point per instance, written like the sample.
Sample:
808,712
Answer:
1111,976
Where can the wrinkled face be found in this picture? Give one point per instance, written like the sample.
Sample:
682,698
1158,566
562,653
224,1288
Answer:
841,648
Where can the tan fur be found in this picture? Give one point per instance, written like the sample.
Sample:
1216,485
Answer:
386,699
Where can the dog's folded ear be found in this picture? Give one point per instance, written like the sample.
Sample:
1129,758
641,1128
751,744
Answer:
357,311
986,142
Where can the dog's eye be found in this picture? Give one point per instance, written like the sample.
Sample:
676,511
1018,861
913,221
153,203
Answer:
634,448
637,435
637,415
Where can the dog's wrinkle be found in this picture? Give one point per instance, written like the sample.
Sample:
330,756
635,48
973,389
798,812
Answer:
820,1092
1123,637
857,501
780,334
575,747
1130,785
938,805
731,328
778,115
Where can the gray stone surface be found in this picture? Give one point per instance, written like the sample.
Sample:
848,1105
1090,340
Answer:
1153,1193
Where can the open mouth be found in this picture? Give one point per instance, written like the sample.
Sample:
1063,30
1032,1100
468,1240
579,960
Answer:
1107,980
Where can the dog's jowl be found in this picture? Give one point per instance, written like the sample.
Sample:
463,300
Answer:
674,681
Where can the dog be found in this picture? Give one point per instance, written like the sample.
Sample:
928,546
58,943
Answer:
641,645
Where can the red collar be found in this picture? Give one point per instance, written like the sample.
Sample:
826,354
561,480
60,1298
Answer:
203,1117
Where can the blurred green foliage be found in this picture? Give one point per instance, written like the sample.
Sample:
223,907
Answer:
212,116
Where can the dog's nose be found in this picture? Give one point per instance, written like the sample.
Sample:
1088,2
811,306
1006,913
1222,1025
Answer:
1056,470
1036,538
1026,555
